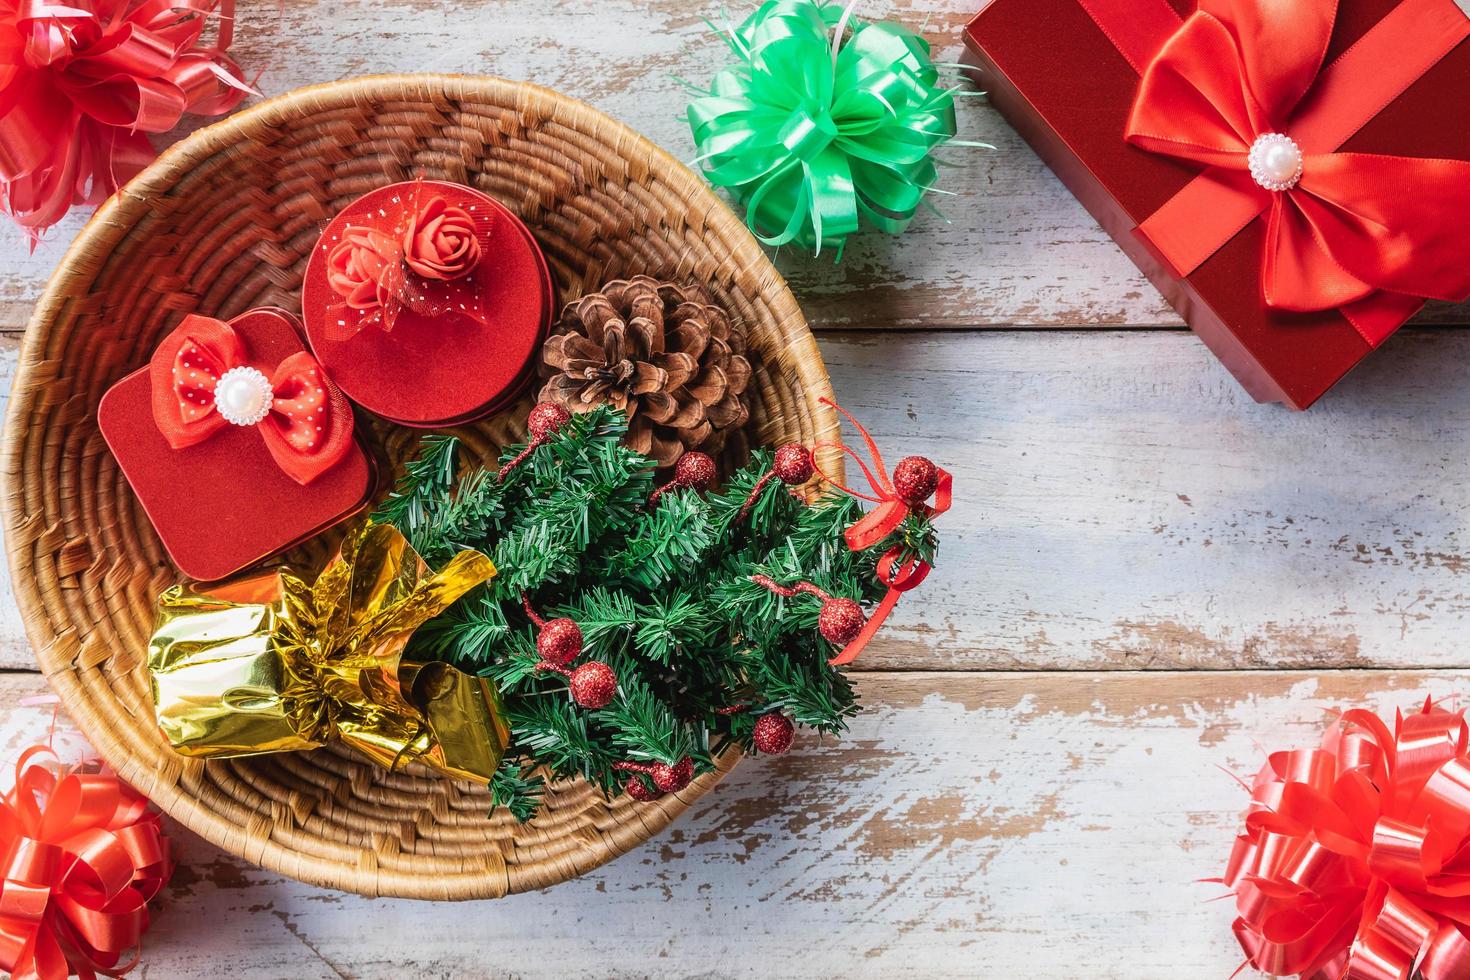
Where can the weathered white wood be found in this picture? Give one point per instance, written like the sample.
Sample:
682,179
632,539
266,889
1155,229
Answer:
1047,826
1018,250
1122,504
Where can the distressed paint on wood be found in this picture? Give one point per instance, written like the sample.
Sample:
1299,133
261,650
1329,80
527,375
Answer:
1029,825
1122,504
1013,248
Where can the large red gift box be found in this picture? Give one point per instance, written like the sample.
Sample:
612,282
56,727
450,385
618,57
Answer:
1066,74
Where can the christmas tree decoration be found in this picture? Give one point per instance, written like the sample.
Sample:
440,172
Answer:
824,123
545,421
694,471
686,653
277,663
661,353
237,442
773,733
413,281
84,855
793,465
1351,863
903,567
85,83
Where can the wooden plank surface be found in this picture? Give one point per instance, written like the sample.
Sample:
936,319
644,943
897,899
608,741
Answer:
1013,248
1122,504
1046,826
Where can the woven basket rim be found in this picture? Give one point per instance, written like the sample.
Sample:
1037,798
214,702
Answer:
104,228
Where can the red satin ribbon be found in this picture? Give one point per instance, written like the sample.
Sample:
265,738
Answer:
308,429
83,856
898,572
1355,861
1369,235
82,82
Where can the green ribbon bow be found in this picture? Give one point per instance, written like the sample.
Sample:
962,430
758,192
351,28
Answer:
814,144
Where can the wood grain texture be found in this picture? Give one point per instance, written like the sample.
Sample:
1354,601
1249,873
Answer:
1122,504
1013,247
1047,826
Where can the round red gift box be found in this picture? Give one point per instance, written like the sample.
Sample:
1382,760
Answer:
443,370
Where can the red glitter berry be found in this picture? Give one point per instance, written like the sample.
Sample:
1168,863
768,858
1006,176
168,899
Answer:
559,642
593,685
695,470
915,479
794,465
774,733
671,779
841,620
546,419
639,790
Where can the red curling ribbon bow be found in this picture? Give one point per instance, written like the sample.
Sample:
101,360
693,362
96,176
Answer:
421,255
83,856
83,82
898,572
1355,861
305,420
1369,235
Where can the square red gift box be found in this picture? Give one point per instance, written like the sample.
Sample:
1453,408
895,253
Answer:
235,442
1292,176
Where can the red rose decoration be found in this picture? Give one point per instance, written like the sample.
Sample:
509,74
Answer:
441,242
361,267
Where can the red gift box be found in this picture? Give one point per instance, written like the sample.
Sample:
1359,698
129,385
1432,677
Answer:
225,502
432,364
1066,74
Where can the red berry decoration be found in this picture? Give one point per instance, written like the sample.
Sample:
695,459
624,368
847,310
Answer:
793,466
667,778
639,790
695,470
559,641
915,479
543,422
593,685
840,619
774,733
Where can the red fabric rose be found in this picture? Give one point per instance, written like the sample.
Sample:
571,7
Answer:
441,243
362,266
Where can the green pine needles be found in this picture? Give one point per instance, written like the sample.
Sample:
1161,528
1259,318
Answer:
663,595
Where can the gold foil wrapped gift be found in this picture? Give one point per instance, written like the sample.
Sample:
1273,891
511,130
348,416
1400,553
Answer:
274,663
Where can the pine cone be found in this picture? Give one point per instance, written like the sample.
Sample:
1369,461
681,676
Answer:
663,353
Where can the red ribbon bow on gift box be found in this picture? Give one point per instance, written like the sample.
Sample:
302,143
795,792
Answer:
898,572
83,856
202,382
1355,861
83,82
1241,86
420,255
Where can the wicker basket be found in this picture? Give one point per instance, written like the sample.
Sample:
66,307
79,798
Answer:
222,222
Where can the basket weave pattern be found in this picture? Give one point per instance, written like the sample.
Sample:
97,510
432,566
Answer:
224,222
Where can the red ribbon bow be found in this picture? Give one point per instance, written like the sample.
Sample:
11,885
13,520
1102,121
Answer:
1355,861
82,83
83,856
899,572
1369,235
306,421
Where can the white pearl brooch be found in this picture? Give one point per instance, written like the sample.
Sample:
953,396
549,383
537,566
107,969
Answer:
1275,161
243,396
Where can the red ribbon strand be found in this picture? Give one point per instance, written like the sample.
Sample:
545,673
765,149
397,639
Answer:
83,856
83,82
898,572
1355,860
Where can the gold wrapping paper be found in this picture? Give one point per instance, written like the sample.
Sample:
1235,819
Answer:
274,663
